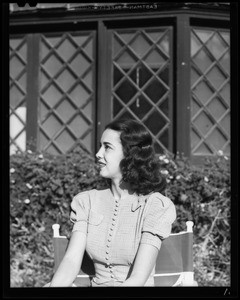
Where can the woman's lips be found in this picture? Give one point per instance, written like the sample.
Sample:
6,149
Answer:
101,164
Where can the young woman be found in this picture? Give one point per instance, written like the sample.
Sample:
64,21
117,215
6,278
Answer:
121,227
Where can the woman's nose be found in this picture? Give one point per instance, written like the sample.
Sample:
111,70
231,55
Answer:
98,154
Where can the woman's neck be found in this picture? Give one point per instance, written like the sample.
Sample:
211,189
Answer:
119,189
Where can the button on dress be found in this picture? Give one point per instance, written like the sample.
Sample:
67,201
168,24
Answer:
116,228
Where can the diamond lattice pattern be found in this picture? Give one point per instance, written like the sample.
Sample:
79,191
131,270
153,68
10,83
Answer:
210,90
141,84
67,92
17,88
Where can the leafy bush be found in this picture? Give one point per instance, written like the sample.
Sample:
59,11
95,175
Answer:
42,187
41,190
202,195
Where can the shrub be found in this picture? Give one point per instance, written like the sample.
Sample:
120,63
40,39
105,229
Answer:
41,190
202,194
42,187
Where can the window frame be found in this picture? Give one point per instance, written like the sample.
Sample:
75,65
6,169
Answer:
180,18
207,23
138,25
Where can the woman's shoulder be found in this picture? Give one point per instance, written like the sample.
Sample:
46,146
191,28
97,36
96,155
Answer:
82,193
158,199
91,194
160,207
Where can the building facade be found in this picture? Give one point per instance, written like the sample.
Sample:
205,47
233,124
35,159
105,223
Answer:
75,67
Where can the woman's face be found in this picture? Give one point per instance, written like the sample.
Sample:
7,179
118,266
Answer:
110,154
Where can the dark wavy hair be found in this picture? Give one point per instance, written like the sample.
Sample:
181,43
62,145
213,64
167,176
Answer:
140,167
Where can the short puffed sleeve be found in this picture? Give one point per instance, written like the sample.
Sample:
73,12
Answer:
157,224
80,207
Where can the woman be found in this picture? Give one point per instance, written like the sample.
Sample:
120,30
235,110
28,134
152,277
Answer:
121,227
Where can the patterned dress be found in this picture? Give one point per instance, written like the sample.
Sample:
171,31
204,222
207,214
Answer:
116,228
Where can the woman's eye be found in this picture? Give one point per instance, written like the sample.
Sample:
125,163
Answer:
106,147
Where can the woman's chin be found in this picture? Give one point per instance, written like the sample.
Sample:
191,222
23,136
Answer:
103,174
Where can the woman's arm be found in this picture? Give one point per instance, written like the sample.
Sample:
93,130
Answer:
143,265
72,260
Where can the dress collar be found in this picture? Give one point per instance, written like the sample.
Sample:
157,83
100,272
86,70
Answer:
138,202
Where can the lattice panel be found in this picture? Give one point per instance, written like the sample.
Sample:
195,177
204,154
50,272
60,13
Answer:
67,91
17,88
141,85
210,89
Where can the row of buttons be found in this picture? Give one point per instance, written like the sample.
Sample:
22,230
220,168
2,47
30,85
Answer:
110,236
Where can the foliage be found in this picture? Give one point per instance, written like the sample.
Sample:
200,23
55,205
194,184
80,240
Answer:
41,190
42,187
202,195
